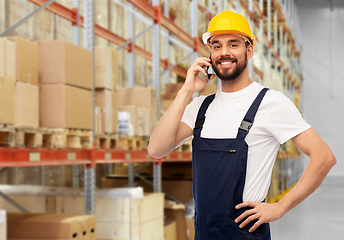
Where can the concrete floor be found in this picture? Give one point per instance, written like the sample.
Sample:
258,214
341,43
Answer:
320,216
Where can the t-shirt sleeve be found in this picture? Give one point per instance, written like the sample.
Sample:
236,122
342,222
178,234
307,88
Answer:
284,119
191,110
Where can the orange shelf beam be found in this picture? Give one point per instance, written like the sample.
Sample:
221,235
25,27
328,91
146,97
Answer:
169,25
68,14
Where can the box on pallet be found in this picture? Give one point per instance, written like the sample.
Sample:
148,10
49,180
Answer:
3,227
26,60
104,103
64,106
7,90
26,105
7,58
64,62
103,67
142,98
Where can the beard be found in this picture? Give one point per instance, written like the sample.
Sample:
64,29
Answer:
226,76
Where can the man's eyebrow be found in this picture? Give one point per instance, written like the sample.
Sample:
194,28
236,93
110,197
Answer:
230,41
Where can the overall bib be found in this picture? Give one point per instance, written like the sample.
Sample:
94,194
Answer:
219,172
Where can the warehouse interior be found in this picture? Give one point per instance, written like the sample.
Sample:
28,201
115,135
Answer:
84,82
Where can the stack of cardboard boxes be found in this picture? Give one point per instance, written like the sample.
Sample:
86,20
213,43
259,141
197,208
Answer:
106,84
7,81
65,75
141,104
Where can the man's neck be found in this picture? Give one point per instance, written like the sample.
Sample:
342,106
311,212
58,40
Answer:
237,84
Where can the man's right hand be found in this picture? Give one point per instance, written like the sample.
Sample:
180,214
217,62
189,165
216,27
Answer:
193,83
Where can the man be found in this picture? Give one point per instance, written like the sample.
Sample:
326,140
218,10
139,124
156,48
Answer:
236,136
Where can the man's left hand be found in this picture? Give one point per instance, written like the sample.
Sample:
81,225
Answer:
264,212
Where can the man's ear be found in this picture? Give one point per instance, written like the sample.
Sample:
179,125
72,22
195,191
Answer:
249,52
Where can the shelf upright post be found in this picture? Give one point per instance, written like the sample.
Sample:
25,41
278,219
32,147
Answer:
250,21
131,77
193,33
167,42
261,41
269,33
90,168
76,41
237,6
281,52
156,83
275,41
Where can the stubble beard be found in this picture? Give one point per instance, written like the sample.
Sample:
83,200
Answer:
225,76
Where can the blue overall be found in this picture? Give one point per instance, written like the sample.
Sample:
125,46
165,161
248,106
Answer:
219,171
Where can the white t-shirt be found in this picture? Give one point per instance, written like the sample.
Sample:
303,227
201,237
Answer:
276,121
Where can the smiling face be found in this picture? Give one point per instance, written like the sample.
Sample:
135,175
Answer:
229,56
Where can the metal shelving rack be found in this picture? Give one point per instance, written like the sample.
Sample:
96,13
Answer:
91,157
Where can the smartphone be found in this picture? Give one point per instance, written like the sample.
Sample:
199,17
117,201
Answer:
209,70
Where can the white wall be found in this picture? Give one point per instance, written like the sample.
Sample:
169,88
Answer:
322,62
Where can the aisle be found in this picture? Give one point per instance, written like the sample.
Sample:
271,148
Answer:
319,217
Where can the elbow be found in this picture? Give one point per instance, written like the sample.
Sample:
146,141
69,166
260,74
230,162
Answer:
332,160
153,152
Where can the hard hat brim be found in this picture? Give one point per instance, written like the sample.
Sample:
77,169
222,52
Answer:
206,36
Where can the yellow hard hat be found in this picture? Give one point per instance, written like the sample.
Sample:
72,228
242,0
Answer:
228,22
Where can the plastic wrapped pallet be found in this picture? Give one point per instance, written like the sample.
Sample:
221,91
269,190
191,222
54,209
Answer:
3,227
103,67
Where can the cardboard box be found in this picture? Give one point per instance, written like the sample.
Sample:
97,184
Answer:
115,70
140,97
64,106
173,87
190,228
32,203
132,110
104,100
144,122
26,60
115,112
210,88
64,62
3,227
7,90
180,189
103,67
176,212
26,105
121,218
7,58
170,230
91,226
39,226
2,56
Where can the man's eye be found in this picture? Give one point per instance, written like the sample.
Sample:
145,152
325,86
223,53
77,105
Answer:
234,45
216,47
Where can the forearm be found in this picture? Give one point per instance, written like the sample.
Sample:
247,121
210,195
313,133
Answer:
313,176
163,137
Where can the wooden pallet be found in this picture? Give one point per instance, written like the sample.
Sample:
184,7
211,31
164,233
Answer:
7,135
73,138
29,137
107,141
130,142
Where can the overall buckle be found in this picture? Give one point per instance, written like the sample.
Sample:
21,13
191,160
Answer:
245,125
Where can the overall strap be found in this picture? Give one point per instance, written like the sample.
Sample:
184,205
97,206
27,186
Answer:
248,120
201,114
